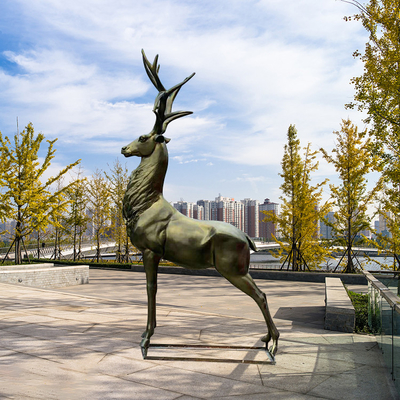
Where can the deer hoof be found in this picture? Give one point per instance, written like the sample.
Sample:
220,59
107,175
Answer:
144,346
270,355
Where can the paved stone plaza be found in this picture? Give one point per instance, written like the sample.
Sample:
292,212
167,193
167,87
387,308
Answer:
82,342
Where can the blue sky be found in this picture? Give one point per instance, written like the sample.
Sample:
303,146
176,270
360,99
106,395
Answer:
74,69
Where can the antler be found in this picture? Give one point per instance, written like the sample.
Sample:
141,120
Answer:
164,100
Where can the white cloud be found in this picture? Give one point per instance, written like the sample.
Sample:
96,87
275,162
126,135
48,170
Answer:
260,66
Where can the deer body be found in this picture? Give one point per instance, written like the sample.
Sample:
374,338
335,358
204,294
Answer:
159,227
160,231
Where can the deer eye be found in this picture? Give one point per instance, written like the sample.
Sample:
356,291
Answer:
142,139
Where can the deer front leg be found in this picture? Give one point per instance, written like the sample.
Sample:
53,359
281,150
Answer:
150,261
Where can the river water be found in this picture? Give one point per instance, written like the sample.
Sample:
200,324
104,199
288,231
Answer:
267,261
270,262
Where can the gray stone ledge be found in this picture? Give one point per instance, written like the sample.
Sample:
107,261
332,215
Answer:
45,277
339,311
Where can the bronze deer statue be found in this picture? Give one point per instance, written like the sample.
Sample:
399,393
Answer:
159,231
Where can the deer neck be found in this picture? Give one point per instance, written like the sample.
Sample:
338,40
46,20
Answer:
146,183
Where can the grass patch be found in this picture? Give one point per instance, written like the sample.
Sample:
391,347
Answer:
360,303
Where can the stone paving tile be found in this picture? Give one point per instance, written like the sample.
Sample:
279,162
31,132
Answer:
194,383
30,377
5,323
20,343
129,334
240,372
4,313
101,344
174,317
133,353
69,325
361,383
231,338
25,376
38,331
292,380
93,345
279,395
107,387
186,333
117,309
30,318
75,358
311,363
242,326
6,352
115,365
354,354
80,317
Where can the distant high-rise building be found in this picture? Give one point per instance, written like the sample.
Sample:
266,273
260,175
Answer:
383,228
367,233
244,215
198,212
206,204
376,226
251,217
267,229
178,206
326,230
226,209
185,208
89,227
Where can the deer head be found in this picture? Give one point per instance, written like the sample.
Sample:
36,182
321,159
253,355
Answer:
145,144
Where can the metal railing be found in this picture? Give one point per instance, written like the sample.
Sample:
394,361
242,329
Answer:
384,321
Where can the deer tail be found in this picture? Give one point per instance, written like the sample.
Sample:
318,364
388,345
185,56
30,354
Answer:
251,244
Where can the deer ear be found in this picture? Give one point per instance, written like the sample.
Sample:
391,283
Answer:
159,139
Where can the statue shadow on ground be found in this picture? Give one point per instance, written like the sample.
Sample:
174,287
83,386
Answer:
249,358
311,315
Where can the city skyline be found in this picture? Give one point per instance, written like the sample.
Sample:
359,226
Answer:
246,215
249,217
75,71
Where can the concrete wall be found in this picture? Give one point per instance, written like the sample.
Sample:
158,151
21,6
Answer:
25,266
45,278
315,276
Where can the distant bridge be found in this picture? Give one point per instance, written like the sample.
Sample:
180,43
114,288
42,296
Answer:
88,250
264,247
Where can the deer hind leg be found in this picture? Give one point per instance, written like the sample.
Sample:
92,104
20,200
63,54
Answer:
246,284
150,261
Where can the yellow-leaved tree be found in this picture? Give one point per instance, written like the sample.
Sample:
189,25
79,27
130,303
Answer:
352,160
99,208
77,219
118,179
30,201
301,210
377,94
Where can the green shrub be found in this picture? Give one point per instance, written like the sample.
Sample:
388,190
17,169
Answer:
360,303
101,264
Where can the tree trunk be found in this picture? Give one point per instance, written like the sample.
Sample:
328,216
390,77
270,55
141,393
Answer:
98,247
349,269
59,248
74,242
126,255
38,245
18,256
